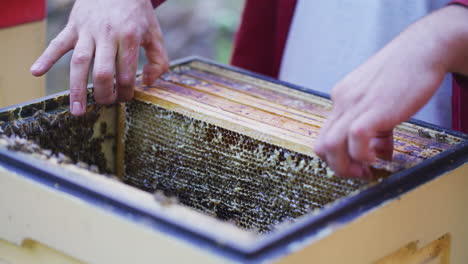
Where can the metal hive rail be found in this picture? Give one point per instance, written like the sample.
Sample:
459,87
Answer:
233,177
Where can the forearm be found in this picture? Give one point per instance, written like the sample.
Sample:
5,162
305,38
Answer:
382,92
449,29
156,3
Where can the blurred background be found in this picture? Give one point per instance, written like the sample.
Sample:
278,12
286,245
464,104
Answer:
190,27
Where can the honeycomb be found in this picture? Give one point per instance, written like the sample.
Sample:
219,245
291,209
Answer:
81,140
230,176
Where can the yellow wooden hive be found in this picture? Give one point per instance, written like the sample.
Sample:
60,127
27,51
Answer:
224,170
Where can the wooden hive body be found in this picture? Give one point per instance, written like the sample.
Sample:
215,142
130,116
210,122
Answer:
234,146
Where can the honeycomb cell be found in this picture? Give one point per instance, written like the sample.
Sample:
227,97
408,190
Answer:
251,183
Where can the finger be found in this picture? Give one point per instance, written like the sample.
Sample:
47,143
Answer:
359,142
345,93
369,136
358,170
337,111
382,145
79,68
319,147
64,42
337,143
335,147
156,54
366,173
103,72
127,64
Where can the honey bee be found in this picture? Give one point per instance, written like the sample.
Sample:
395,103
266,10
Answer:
55,119
38,113
83,165
103,128
44,119
441,137
15,127
94,168
424,133
62,158
164,200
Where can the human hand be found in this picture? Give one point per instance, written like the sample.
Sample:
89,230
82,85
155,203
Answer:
388,89
111,32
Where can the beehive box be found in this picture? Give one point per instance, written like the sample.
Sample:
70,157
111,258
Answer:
216,164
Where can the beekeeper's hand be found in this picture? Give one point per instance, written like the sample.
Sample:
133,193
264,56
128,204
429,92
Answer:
110,32
389,88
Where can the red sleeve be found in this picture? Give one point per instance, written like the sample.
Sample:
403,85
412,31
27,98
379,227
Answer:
156,3
460,94
262,35
460,103
461,2
19,12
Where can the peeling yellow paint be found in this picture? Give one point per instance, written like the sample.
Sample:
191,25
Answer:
438,251
32,252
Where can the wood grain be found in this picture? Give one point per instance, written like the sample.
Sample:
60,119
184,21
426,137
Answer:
269,111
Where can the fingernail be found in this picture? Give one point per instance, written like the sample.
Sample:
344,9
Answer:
77,108
36,67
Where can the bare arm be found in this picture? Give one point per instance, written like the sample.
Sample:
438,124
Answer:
380,94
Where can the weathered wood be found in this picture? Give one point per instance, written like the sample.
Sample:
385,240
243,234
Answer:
270,112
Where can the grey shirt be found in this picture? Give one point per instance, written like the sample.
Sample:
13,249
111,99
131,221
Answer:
330,38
